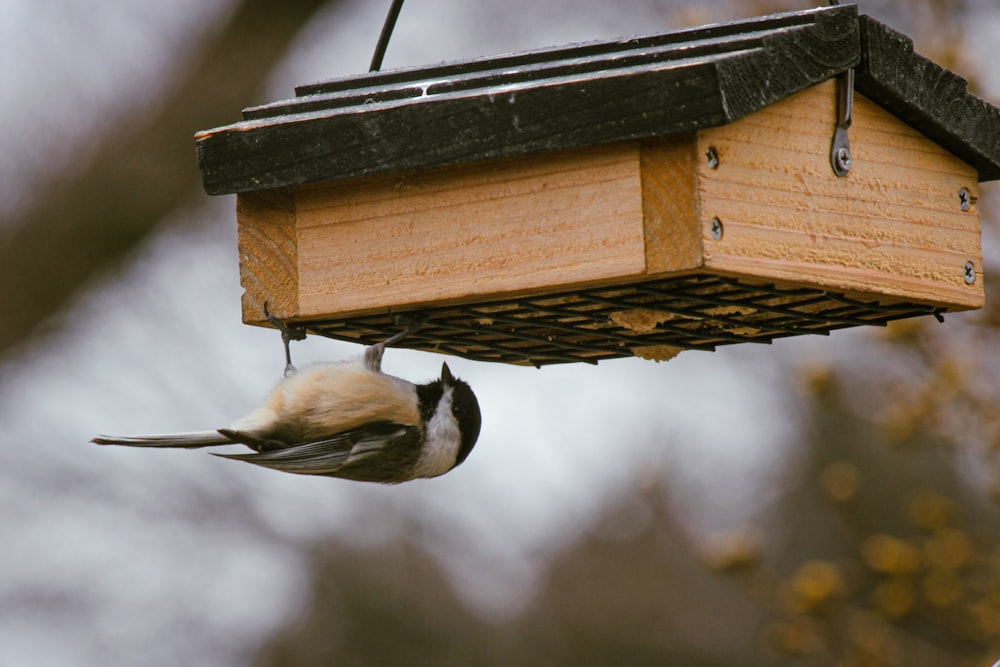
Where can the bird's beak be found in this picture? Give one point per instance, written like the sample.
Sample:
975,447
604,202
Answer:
446,377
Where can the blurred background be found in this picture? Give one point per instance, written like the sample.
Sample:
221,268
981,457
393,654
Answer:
821,501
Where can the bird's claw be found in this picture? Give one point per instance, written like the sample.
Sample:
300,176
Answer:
373,353
288,334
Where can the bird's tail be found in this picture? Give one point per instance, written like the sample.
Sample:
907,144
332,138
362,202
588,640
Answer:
183,440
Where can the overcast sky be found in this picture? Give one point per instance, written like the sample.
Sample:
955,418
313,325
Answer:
101,533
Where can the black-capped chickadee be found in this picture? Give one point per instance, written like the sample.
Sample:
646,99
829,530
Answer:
348,419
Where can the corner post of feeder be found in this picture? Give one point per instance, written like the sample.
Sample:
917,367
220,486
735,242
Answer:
268,247
670,179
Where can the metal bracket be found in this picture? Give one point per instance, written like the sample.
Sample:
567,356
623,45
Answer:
840,151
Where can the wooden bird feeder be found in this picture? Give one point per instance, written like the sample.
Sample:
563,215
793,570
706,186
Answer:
631,197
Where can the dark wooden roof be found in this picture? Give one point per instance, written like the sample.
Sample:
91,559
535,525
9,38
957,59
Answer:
929,97
589,94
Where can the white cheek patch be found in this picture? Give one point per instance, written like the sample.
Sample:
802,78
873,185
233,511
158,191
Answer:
443,438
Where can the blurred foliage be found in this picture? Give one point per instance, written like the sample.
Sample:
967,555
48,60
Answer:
883,548
900,542
879,553
634,591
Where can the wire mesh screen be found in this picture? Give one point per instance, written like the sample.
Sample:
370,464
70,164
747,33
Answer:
652,319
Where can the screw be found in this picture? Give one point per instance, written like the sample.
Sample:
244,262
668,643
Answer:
716,229
969,273
964,199
712,156
843,158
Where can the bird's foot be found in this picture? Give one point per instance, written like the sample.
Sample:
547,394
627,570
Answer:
373,353
288,334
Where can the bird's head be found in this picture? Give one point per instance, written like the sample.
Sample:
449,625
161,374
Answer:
450,411
465,408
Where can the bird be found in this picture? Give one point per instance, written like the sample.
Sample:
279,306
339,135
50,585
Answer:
347,419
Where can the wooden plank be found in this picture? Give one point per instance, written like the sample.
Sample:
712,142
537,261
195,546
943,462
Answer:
893,227
511,227
706,79
609,50
826,28
267,242
455,128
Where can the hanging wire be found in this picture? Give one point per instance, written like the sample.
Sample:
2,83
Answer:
383,39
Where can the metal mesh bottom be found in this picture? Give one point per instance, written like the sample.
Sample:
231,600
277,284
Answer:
647,319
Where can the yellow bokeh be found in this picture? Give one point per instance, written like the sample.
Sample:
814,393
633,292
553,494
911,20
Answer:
813,586
840,481
894,597
949,549
931,511
941,587
890,555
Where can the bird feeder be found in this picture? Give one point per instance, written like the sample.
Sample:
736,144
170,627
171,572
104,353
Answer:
738,182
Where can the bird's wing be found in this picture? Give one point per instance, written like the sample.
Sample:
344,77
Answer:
327,456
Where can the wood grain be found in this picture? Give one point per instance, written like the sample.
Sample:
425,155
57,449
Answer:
670,204
892,228
511,227
267,243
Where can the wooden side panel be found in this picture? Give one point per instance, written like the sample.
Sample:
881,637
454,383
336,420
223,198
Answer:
893,227
547,222
268,255
670,204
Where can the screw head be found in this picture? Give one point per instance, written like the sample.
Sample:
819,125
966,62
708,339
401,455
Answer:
843,158
716,229
964,199
969,273
712,156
